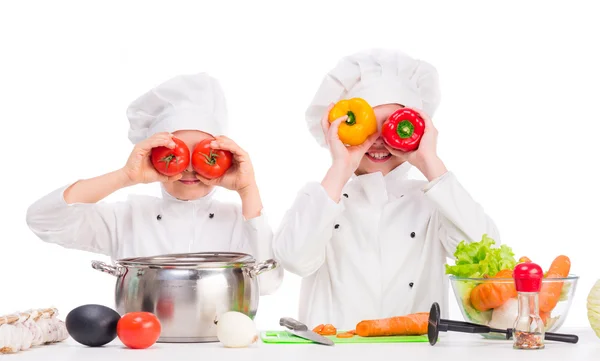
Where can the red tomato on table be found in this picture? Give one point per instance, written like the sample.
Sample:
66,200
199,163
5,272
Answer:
171,162
138,330
210,163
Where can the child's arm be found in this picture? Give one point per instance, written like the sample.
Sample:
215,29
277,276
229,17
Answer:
138,169
71,217
345,160
259,235
82,226
238,178
306,229
256,235
458,216
308,226
95,189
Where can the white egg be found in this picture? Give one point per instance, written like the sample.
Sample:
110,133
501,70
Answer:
504,316
235,329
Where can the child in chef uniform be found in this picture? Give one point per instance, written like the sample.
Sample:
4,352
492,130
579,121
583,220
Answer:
187,218
368,241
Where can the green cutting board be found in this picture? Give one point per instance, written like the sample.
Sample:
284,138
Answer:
286,337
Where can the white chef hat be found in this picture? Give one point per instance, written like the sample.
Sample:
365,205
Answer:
379,76
185,102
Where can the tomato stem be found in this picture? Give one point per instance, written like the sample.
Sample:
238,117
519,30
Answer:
168,159
211,159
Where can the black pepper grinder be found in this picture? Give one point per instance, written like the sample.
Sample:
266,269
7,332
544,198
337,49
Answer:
528,329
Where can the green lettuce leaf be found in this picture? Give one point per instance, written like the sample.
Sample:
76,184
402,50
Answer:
479,259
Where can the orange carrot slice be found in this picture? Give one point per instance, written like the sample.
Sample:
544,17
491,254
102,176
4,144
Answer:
328,330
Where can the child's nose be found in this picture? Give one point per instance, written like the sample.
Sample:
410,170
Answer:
189,167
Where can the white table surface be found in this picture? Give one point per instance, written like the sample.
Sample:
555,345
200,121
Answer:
451,346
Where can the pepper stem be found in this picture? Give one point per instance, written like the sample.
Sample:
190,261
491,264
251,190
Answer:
405,129
351,118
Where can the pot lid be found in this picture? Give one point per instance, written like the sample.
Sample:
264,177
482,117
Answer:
191,260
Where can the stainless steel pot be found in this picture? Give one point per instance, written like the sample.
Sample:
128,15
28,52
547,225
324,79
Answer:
187,292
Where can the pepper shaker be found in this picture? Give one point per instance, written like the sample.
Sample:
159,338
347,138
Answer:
528,329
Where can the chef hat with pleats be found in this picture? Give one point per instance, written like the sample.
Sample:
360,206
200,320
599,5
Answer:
379,76
185,102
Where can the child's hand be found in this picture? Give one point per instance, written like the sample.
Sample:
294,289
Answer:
139,168
345,158
425,157
240,175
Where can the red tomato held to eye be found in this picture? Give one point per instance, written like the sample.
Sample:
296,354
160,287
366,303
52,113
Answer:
171,162
210,163
138,330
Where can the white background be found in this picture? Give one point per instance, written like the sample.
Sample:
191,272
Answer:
518,121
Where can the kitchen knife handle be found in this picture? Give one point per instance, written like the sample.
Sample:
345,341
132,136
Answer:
561,337
292,324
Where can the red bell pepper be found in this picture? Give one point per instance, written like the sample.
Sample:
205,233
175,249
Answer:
403,130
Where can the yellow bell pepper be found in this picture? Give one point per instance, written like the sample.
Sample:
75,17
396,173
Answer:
361,122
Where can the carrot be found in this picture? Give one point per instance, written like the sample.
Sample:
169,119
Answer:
328,330
325,329
410,325
550,292
544,316
492,294
348,334
318,328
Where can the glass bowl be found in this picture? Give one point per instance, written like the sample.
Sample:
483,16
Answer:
503,316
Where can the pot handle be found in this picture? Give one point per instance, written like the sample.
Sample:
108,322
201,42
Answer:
111,270
264,267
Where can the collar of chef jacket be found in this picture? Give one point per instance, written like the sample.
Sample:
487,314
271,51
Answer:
201,204
376,186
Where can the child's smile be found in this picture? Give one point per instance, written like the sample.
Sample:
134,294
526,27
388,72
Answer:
191,181
378,155
189,178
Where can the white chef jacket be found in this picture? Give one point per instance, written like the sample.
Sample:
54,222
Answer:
145,226
380,252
